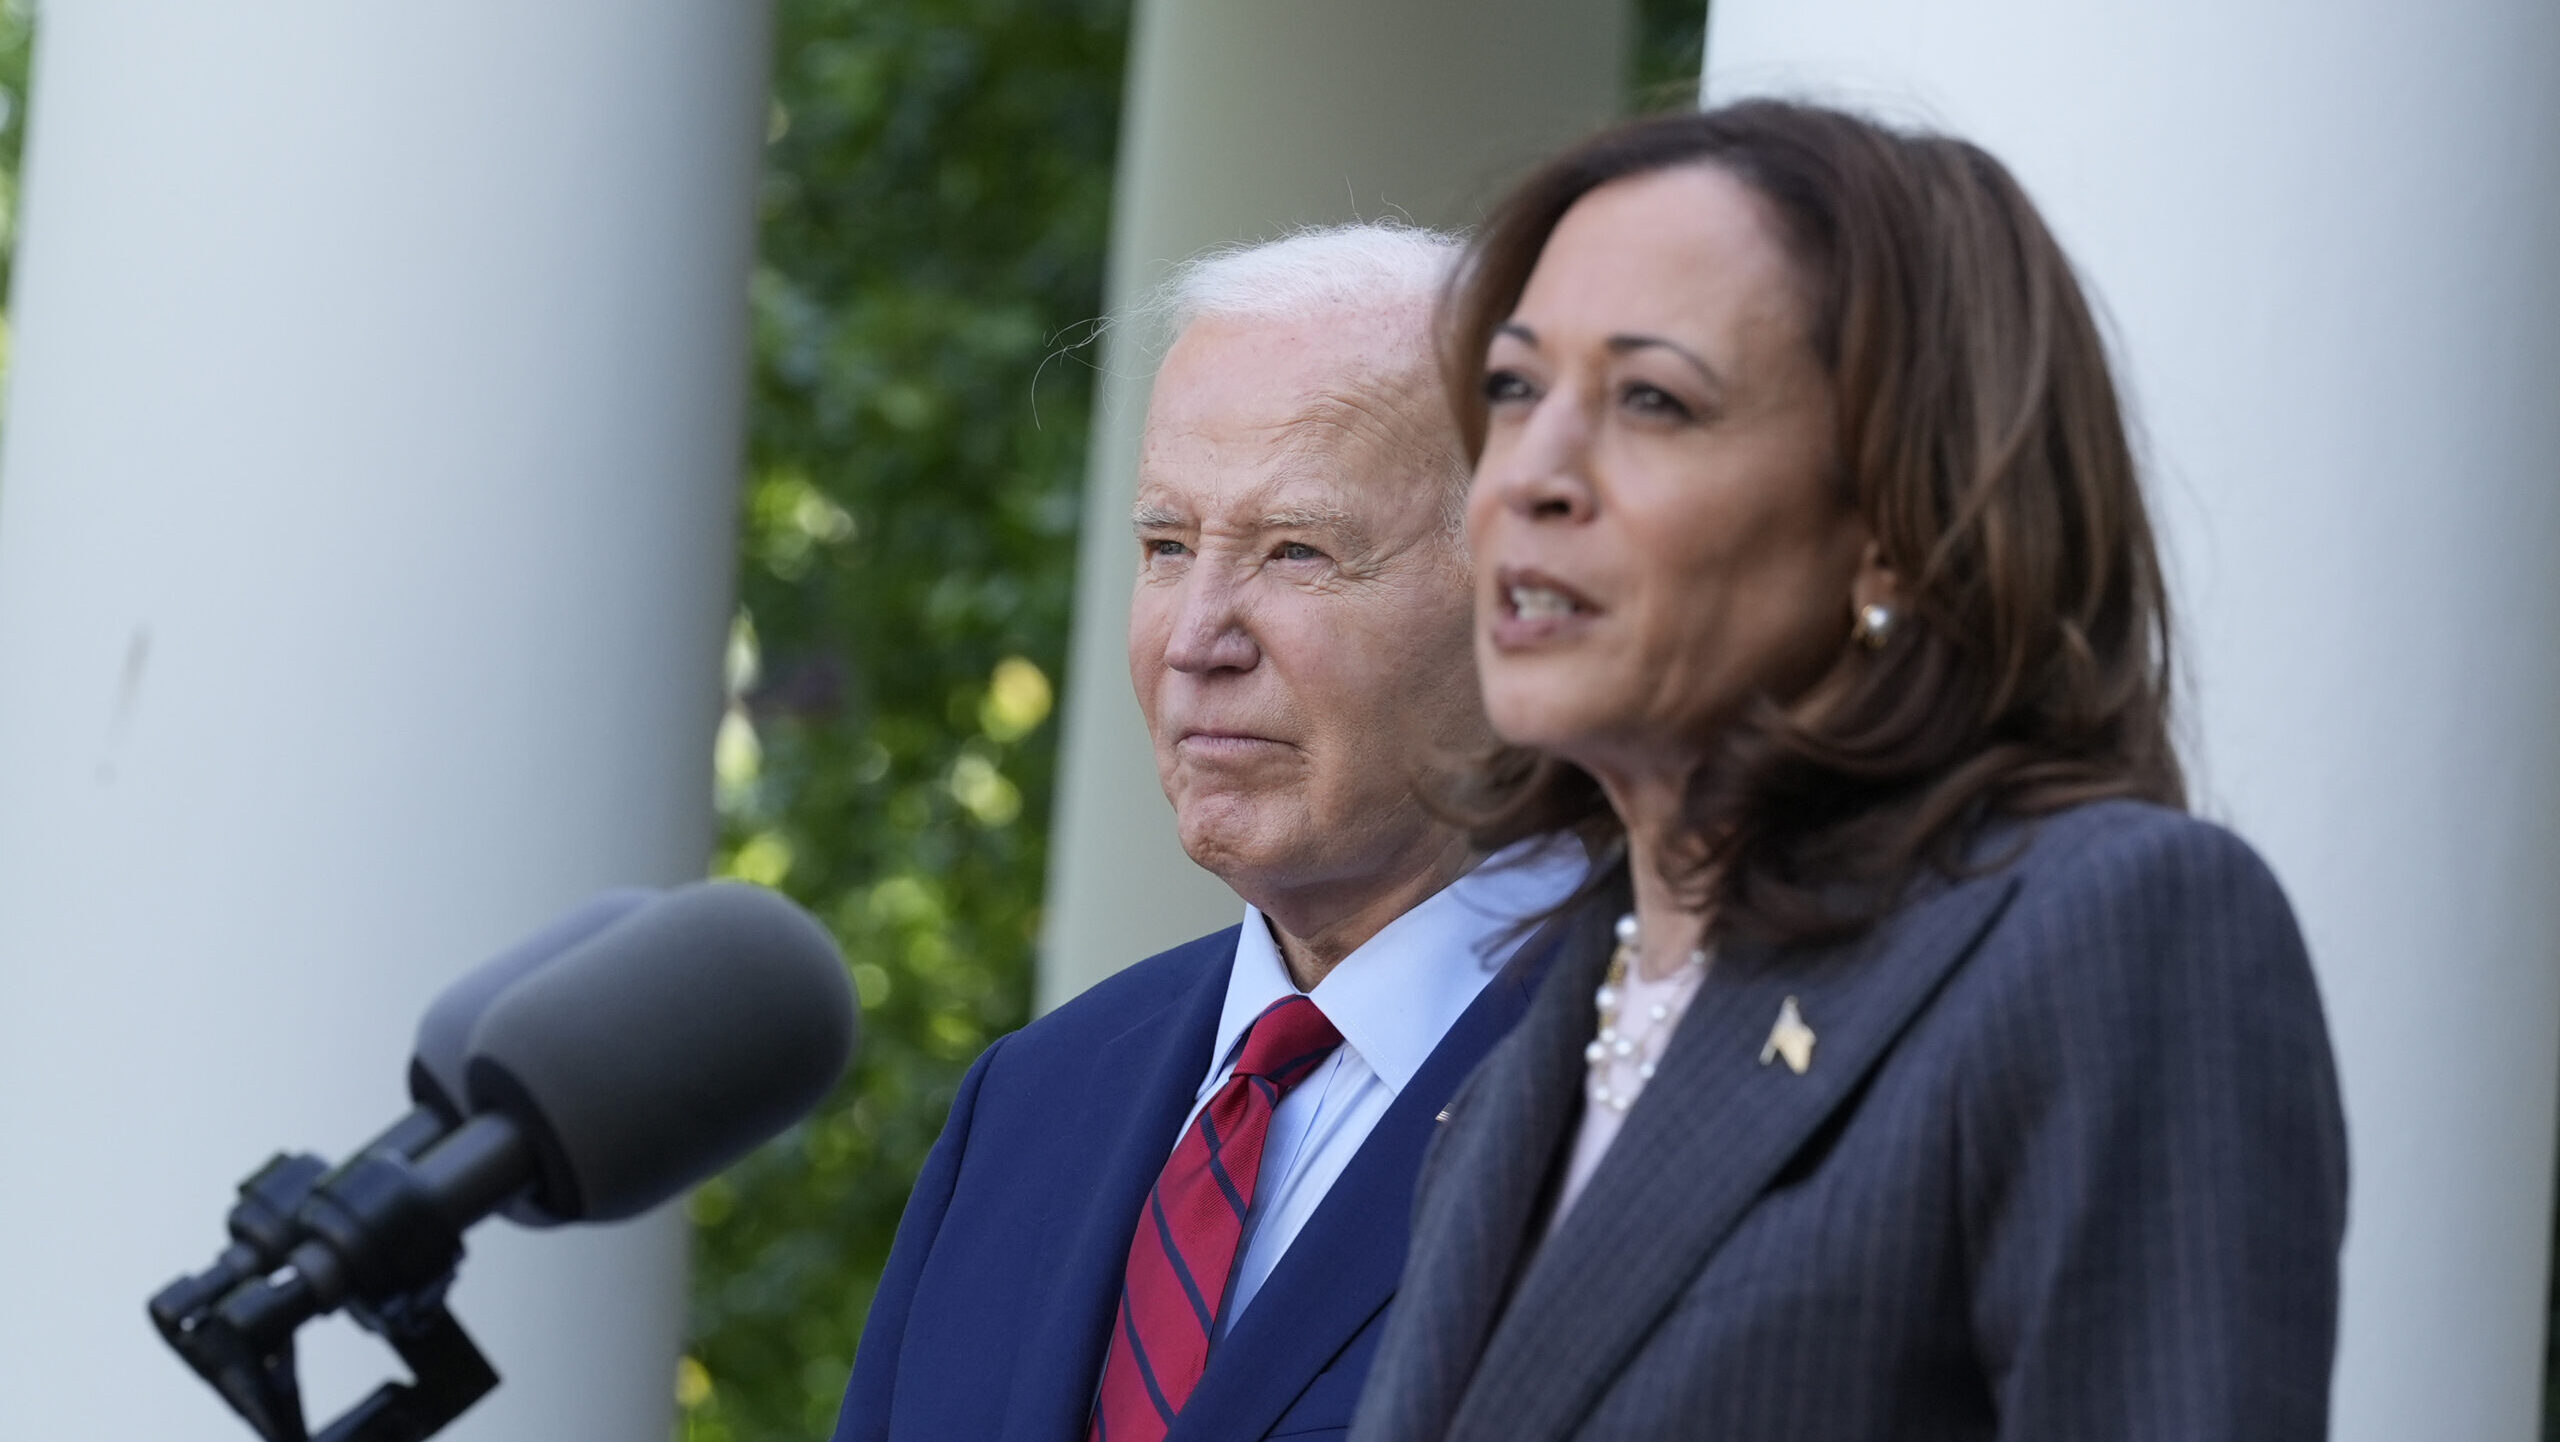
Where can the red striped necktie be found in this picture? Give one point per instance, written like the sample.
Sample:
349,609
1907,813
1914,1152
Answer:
1185,1249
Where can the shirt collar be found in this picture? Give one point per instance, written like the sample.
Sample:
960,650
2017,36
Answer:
1401,991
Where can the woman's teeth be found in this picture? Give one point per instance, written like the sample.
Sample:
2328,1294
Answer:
1537,603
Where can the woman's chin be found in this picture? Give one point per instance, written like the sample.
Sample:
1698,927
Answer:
1541,720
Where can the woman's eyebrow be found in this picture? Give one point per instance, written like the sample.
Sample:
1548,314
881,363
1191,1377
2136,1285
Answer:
1621,344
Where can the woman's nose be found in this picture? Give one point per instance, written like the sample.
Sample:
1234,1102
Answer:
1545,473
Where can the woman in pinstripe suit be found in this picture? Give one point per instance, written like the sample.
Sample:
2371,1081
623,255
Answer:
1925,1071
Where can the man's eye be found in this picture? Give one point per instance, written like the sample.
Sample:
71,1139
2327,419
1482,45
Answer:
1297,551
1158,548
1503,385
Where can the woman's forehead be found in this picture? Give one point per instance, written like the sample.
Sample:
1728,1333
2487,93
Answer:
1690,251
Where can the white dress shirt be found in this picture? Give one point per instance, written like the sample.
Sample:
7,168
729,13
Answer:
1392,1000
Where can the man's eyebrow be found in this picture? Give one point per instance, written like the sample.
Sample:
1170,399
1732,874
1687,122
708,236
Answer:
1621,344
1309,518
1149,516
1349,535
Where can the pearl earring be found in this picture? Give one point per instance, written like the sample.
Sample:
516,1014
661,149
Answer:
1876,621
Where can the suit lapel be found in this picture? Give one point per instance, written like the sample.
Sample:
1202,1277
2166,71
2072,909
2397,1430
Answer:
1507,1124
1712,1130
1142,1084
1343,1266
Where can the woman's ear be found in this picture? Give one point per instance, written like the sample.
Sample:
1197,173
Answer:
1877,583
1875,600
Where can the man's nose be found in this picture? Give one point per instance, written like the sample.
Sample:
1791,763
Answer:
1211,630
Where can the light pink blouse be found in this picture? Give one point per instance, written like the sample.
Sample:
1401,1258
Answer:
1600,1124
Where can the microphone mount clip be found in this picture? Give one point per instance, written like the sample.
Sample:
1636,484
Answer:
377,1236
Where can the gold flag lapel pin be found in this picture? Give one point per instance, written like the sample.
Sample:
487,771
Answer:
1790,1038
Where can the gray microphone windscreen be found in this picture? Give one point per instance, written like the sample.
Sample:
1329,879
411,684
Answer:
444,1033
665,1046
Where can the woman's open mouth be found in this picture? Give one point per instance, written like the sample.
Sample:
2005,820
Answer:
1532,607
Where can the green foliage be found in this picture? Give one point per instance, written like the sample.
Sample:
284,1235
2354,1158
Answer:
1671,41
17,33
934,221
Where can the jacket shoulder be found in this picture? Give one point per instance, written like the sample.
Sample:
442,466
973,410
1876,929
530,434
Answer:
2149,1112
2129,917
1131,994
2103,840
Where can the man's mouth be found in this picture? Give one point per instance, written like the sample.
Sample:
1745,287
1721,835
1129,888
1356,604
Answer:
1216,740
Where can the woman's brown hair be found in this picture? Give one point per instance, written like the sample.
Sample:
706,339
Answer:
1981,438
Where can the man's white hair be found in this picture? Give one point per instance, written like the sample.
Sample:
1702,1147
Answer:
1368,268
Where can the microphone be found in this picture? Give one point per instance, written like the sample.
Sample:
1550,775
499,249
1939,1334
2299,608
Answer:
261,1222
597,1078
444,1031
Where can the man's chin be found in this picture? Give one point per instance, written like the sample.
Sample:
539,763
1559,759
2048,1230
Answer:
1239,843
1232,788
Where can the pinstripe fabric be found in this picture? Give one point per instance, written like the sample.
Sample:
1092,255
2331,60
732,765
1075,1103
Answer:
2068,1164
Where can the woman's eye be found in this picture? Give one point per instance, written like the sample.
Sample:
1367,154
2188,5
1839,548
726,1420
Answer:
1297,551
1652,400
1504,385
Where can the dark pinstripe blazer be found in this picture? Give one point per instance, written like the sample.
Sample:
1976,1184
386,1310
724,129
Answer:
2067,1165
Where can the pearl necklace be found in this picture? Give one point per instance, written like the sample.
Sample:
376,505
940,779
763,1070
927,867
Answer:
1614,1048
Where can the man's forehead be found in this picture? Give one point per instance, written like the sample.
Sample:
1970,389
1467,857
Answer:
1241,432
1288,495
1320,345
1289,376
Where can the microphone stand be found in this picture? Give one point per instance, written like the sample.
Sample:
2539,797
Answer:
380,1236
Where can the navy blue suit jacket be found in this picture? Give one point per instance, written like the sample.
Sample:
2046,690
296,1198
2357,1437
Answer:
994,1313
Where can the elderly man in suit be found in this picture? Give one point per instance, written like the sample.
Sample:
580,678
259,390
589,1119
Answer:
1175,1207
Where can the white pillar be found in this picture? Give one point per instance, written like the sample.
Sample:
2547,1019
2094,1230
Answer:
365,553
1245,118
2327,236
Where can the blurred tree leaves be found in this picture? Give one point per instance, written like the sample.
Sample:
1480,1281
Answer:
935,211
17,28
1671,44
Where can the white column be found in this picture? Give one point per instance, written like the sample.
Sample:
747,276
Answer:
1245,118
2327,235
365,553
